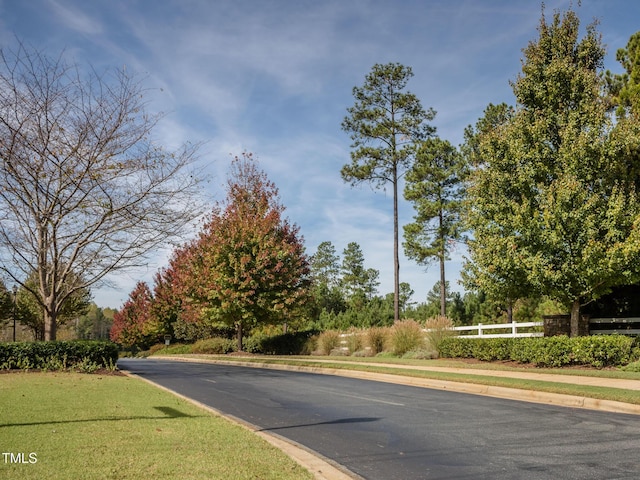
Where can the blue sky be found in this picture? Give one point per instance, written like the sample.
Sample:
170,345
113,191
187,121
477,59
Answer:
275,77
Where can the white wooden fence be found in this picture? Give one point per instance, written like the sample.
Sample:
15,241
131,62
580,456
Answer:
512,330
481,331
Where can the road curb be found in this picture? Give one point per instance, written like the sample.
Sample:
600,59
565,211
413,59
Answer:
320,467
559,399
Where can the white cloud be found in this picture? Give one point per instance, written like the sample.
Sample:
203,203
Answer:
75,19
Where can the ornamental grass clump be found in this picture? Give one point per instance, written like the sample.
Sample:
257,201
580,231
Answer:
406,335
437,329
376,339
328,341
355,340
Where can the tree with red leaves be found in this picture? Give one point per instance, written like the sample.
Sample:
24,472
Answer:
168,291
132,324
248,265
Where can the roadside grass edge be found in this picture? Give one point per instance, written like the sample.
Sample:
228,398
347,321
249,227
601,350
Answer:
321,467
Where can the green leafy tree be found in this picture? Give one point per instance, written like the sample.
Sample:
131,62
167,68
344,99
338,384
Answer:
496,278
248,264
549,201
94,324
434,185
6,303
377,311
385,124
479,308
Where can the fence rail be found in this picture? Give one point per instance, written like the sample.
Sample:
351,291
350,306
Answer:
512,327
613,326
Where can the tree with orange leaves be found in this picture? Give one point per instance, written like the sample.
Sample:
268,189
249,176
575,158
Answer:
248,265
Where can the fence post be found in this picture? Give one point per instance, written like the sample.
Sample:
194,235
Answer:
514,328
479,329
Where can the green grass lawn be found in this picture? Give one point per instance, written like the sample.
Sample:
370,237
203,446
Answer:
114,427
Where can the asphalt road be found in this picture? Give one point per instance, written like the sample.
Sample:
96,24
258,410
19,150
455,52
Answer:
384,431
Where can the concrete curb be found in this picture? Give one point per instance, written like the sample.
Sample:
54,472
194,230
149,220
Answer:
573,401
320,467
325,469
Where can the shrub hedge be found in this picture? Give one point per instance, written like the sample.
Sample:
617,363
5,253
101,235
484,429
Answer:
58,355
595,351
290,343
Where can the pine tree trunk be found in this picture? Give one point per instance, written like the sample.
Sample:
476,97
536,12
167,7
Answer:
443,290
443,285
396,259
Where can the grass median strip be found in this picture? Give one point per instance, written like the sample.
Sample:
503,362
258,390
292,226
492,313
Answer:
65,425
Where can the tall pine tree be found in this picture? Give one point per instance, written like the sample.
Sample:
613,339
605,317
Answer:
434,185
385,124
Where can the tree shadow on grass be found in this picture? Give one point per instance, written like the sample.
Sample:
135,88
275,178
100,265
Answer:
167,413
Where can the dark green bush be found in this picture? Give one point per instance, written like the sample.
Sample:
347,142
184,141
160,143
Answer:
57,355
596,351
192,332
290,343
456,347
601,351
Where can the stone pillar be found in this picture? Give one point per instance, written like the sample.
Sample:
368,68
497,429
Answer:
583,325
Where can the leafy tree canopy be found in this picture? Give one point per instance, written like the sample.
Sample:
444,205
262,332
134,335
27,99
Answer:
131,324
248,265
548,205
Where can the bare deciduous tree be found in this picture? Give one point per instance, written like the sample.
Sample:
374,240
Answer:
84,189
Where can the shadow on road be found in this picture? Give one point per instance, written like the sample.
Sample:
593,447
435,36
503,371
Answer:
331,422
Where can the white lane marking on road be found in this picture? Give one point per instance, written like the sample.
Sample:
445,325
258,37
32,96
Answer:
208,380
